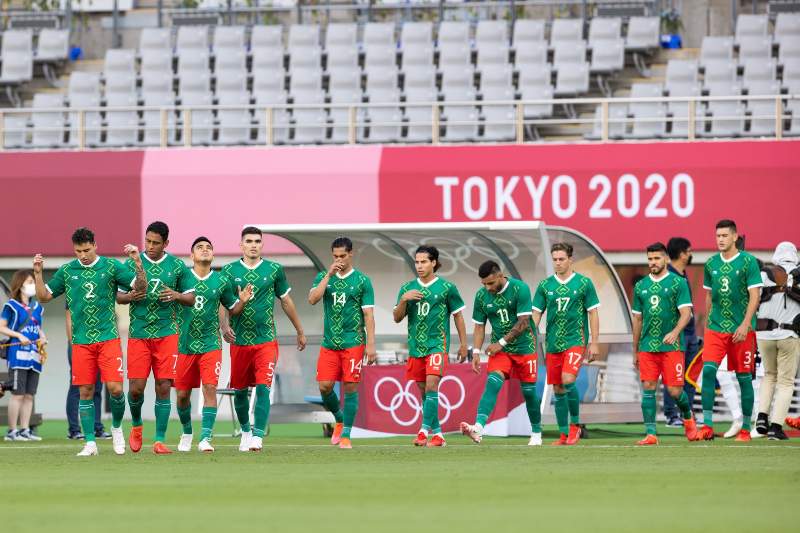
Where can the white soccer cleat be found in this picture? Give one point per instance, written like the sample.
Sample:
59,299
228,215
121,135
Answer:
536,439
474,432
754,434
185,445
90,448
205,446
255,444
118,441
244,444
734,430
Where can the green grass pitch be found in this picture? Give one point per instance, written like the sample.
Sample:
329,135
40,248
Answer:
301,484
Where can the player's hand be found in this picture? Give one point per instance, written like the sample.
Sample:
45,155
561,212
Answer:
23,340
132,252
335,267
594,352
38,264
463,352
413,294
671,337
168,295
301,342
372,354
635,360
493,348
137,296
476,361
228,334
246,294
741,333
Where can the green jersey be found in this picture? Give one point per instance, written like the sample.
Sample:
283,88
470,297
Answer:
659,302
344,302
729,281
256,324
151,318
429,318
200,322
502,310
91,293
566,303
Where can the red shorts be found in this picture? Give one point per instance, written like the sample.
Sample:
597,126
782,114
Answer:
566,362
668,365
88,358
417,368
159,354
340,365
253,365
193,368
741,355
523,367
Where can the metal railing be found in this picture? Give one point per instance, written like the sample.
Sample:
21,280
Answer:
183,125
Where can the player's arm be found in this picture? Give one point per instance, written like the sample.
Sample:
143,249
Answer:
140,283
463,341
636,323
369,326
478,334
709,302
685,316
318,290
225,326
42,294
183,298
11,334
754,295
287,304
594,332
401,309
126,297
69,327
538,305
245,295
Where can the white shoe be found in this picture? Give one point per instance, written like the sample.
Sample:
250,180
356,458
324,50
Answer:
205,446
536,439
255,444
185,445
755,434
118,441
244,444
29,435
734,430
474,432
90,448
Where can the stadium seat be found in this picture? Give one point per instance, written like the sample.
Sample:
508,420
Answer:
340,34
532,56
757,72
342,57
302,57
202,120
53,45
379,34
83,92
155,40
267,38
156,71
17,69
789,49
267,96
384,121
344,88
193,72
158,97
121,83
192,39
417,54
453,33
715,49
535,85
793,106
791,75
758,48
604,29
119,61
417,33
569,53
679,111
489,32
566,30
572,79
48,127
643,34
719,72
17,41
14,130
490,54
608,56
123,125
681,72
496,85
527,30
727,117
234,124
232,63
420,86
454,57
380,56
228,39
654,113
303,36
231,78
310,124
762,121
461,120
748,26
786,25
617,116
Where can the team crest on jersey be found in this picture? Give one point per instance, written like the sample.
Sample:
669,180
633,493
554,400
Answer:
238,279
714,272
74,277
549,293
490,306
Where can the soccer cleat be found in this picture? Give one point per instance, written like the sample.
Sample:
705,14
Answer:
422,439
776,432
437,441
90,448
705,433
793,422
473,432
344,444
536,439
244,443
754,434
205,446
734,430
337,433
102,434
562,440
743,436
118,441
135,439
762,424
690,429
675,422
29,435
13,436
256,444
649,440
185,444
574,435
75,435
159,448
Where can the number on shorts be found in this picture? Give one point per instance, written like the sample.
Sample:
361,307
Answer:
436,359
175,363
156,282
503,314
120,365
532,366
270,370
89,286
562,303
679,371
199,302
423,308
574,358
355,366
748,357
725,284
339,298
654,301
217,368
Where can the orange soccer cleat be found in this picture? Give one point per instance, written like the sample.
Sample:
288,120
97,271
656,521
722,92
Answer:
690,429
793,422
705,433
159,448
574,435
135,439
649,440
437,441
344,444
562,440
743,436
421,440
337,433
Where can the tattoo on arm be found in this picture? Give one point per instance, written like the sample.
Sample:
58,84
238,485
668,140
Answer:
518,329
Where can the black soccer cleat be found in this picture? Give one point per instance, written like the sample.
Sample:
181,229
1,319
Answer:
762,424
776,432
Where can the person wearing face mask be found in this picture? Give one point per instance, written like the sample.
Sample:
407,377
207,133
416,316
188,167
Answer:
21,322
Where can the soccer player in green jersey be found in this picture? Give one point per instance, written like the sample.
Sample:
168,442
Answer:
661,308
733,281
349,302
568,297
90,283
506,303
200,348
153,338
429,302
254,343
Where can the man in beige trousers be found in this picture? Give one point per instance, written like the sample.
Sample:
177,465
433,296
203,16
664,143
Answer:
777,325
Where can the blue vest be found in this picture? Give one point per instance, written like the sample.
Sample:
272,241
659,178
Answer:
16,314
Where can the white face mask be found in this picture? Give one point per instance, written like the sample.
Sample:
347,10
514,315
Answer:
29,290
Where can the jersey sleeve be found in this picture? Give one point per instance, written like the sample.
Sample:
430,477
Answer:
753,275
590,298
454,301
57,284
707,277
186,281
636,302
228,296
7,314
400,294
282,287
539,301
524,304
368,295
478,311
124,274
317,279
684,296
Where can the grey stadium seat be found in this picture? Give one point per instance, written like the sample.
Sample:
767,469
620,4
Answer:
379,33
499,118
153,97
461,120
528,30
301,56
566,31
608,56
228,38
380,56
342,57
793,106
786,25
48,127
572,53
534,86
265,97
656,125
727,117
84,91
454,57
344,88
156,40
716,49
604,29
643,33
156,71
17,69
572,79
416,32
532,56
420,86
762,121
118,61
719,72
491,32
453,33
193,73
758,48
789,49
341,34
384,121
234,123
303,36
310,123
202,120
493,54
123,125
757,72
121,83
232,61
681,72
53,45
192,39
418,54
617,116
748,26
791,75
17,42
680,110
14,130
266,38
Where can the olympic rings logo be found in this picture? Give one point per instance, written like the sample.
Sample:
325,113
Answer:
408,396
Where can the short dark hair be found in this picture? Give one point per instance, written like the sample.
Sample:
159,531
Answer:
561,247
676,246
342,242
159,228
740,242
199,240
433,255
251,230
727,223
82,235
657,247
488,268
